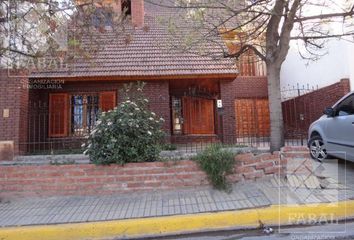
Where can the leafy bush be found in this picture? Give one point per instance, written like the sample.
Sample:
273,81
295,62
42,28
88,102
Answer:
129,133
169,147
217,164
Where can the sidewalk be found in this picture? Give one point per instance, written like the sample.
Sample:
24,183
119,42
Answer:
249,195
103,208
267,201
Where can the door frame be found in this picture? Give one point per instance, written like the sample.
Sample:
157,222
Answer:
183,132
253,131
192,126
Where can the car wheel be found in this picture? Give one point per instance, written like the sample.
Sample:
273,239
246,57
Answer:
317,148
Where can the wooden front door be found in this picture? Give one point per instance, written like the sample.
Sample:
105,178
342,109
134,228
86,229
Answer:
198,115
252,118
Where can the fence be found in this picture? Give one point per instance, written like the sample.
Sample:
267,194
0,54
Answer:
297,116
292,91
301,105
38,140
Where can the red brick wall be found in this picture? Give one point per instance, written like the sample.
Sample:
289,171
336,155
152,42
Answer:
159,96
250,87
242,87
13,96
88,179
311,105
156,91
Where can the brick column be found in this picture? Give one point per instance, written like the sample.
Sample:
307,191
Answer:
345,84
13,112
228,118
159,96
138,13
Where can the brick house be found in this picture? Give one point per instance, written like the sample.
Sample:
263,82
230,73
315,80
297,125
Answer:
183,88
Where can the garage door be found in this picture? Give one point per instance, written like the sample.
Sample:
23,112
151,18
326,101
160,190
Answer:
252,118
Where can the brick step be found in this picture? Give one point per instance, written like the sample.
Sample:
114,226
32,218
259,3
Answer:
296,149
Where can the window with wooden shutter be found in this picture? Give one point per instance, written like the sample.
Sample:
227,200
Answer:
107,101
58,115
84,113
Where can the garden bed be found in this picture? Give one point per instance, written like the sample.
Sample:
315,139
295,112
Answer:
21,179
64,159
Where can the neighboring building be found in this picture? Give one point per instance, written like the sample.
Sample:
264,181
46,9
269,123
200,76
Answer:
183,88
328,69
308,87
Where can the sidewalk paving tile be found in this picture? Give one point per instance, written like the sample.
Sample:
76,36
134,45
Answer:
244,195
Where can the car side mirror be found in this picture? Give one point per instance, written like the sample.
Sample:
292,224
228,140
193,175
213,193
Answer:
329,112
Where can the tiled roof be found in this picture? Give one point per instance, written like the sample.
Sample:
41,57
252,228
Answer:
148,52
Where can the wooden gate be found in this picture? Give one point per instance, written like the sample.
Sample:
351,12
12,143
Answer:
198,115
252,118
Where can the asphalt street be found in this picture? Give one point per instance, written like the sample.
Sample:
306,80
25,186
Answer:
341,230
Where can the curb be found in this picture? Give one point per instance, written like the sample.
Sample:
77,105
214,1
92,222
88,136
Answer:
143,227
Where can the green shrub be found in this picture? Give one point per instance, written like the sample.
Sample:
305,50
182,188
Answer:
129,133
217,164
169,147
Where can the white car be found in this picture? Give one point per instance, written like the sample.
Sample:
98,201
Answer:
333,133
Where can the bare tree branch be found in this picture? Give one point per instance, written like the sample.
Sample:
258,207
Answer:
265,28
244,49
305,38
326,16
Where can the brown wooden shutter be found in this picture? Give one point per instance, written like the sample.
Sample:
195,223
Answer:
207,116
107,101
186,107
58,115
198,115
252,118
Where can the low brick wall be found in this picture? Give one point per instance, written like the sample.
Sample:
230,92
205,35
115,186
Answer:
87,179
311,106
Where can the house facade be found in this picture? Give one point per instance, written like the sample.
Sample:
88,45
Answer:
202,99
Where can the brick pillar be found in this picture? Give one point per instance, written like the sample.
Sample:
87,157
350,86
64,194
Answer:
13,113
138,13
345,83
159,102
228,118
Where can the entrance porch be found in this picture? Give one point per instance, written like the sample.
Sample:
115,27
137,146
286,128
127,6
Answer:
194,116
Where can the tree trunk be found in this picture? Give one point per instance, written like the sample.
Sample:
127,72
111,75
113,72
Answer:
275,107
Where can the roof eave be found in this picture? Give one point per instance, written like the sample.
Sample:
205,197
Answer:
77,78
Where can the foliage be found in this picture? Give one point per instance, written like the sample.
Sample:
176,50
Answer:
169,147
217,164
40,30
260,31
129,133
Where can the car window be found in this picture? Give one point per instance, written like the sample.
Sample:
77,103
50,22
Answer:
346,107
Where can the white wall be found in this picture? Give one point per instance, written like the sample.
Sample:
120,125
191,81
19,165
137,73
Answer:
337,64
351,64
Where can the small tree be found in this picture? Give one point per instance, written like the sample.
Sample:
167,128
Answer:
264,27
129,133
